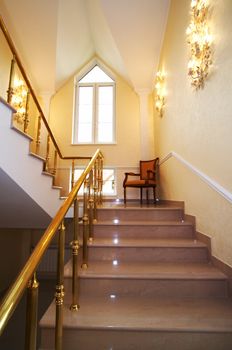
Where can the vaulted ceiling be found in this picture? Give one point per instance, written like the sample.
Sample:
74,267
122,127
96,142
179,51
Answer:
55,38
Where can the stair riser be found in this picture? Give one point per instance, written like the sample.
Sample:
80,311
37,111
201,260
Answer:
149,287
137,231
74,339
140,214
162,254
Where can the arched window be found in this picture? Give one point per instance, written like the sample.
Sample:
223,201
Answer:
94,119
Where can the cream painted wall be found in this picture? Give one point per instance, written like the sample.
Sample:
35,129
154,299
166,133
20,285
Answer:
126,153
5,63
197,125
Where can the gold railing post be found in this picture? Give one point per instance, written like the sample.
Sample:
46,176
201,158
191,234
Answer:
59,295
75,247
98,180
26,118
55,163
95,192
85,228
91,203
46,166
31,314
101,179
73,172
37,143
10,91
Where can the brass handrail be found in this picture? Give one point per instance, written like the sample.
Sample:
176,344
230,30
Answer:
20,65
13,296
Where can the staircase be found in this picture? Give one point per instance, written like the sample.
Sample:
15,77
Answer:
149,285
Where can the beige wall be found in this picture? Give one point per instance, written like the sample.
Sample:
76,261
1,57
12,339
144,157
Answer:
125,154
5,63
197,125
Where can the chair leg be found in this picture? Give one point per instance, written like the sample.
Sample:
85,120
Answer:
154,193
147,195
124,195
141,195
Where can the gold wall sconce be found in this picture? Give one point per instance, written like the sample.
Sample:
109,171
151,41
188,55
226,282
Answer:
160,92
18,96
19,100
200,42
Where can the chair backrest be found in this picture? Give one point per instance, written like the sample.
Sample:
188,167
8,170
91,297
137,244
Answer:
145,166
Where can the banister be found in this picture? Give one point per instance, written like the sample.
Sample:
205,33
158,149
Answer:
20,65
14,294
211,182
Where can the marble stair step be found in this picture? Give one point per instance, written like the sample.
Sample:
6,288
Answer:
159,279
146,242
141,214
147,229
153,250
143,323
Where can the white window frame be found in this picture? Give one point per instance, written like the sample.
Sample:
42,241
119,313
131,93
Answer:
95,109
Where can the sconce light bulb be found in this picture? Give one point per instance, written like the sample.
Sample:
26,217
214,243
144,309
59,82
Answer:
193,3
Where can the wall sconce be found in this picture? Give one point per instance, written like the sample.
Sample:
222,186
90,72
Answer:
199,40
19,101
160,93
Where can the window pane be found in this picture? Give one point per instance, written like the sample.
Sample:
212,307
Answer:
85,133
96,75
85,95
105,132
77,174
105,95
85,114
109,181
105,113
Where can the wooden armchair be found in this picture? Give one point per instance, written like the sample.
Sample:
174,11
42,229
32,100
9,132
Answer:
148,177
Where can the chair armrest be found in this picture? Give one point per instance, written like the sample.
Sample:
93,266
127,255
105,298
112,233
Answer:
132,174
126,177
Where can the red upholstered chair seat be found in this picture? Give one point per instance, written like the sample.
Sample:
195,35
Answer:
134,183
139,183
147,178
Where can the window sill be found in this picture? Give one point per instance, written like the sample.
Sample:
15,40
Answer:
94,144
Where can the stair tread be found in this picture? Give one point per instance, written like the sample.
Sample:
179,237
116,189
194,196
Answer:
147,242
57,187
143,313
46,173
27,136
145,270
142,223
162,204
33,154
142,208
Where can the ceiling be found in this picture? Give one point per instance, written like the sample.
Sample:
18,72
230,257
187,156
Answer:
56,38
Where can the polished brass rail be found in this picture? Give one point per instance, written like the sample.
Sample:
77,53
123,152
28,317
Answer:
92,179
14,294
